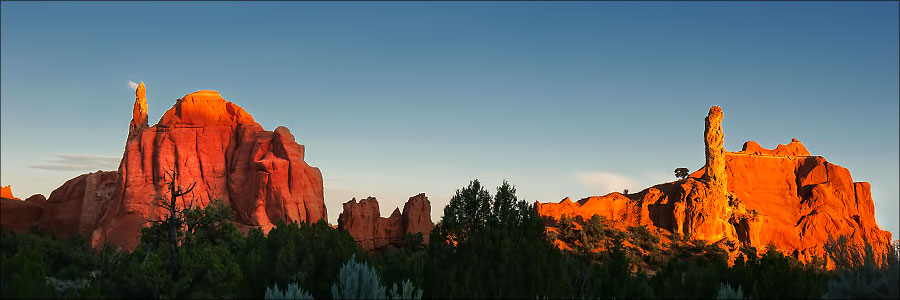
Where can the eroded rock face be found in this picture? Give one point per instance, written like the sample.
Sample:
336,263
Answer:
218,145
372,231
206,140
76,207
781,196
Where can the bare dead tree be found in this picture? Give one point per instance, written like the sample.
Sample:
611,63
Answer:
173,221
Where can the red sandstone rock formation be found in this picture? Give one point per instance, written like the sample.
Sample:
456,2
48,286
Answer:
19,215
6,192
372,231
781,196
207,140
218,145
16,214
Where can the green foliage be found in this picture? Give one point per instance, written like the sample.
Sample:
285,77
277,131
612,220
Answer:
413,242
491,247
776,276
293,291
40,266
207,272
688,277
469,211
612,277
139,274
358,281
311,255
398,265
24,274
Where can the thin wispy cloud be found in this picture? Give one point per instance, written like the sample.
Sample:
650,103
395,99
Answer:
605,182
79,162
132,85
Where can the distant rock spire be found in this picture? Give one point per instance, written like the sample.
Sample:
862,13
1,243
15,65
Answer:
139,117
6,192
714,139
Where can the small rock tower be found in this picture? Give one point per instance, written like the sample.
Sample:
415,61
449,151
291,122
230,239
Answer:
139,117
715,151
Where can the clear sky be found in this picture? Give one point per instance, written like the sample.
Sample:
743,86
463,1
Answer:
393,99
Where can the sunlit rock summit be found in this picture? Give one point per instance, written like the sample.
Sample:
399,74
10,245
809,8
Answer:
755,197
209,141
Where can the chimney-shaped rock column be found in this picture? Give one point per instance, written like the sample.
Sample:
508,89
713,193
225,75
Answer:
139,117
715,151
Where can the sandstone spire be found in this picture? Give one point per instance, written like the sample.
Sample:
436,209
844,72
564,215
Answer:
715,151
139,117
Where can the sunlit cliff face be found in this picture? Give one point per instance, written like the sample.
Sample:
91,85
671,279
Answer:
214,145
782,196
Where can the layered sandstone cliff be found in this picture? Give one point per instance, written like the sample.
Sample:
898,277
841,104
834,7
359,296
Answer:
781,196
372,231
206,140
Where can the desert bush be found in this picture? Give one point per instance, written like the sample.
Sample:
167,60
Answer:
728,292
293,291
858,275
358,280
406,290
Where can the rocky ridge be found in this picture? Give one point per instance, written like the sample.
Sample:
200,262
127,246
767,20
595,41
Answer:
753,197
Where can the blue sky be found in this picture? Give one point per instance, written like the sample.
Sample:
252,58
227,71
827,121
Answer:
393,99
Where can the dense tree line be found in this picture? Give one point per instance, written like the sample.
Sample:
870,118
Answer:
485,246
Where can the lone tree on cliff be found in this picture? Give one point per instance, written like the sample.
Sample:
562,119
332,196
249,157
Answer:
170,228
681,173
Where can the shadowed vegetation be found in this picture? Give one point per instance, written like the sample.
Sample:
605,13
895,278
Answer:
487,245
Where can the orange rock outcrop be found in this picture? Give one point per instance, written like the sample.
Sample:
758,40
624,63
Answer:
781,196
6,192
208,141
372,231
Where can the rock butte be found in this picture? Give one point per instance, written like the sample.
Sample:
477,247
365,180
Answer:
372,231
781,196
206,139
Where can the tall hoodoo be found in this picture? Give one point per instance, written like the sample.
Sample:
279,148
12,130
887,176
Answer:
139,116
715,151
